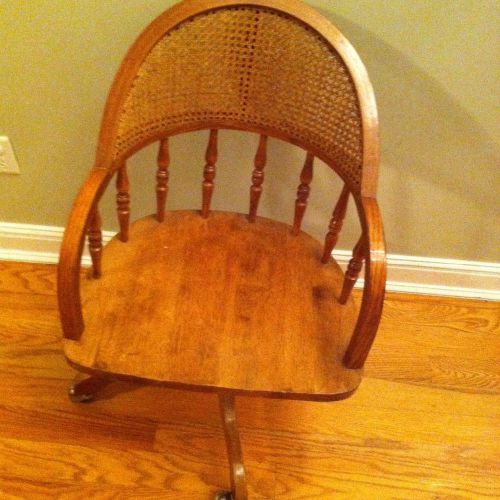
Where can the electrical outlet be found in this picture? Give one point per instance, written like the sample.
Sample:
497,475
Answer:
8,161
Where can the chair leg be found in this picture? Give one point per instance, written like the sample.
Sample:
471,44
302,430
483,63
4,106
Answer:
238,476
84,390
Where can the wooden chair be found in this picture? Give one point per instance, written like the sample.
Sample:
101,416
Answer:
222,301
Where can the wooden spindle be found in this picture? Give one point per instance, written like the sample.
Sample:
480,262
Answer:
95,242
162,175
257,177
335,224
303,193
209,173
123,202
353,270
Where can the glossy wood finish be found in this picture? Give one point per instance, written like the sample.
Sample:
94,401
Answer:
268,302
233,445
71,249
123,202
353,269
424,423
162,176
335,225
374,286
209,173
68,271
303,193
95,242
257,177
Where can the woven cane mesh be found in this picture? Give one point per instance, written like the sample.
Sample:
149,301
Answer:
249,66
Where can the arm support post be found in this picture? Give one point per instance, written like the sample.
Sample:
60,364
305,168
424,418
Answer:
68,271
374,287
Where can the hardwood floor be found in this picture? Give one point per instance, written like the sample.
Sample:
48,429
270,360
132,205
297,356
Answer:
424,423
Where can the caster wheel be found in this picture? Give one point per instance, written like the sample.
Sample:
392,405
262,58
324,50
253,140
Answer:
79,398
224,495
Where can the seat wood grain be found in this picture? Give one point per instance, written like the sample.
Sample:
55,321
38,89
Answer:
265,306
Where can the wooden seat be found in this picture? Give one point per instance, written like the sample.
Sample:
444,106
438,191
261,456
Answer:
233,303
259,297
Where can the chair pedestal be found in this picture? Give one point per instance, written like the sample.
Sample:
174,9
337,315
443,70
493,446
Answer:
85,388
238,474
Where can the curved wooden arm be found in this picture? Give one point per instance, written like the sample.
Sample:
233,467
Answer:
68,271
374,288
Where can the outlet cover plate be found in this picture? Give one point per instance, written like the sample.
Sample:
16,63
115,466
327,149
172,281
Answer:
8,161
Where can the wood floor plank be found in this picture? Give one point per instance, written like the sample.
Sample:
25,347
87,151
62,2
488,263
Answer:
425,422
28,314
315,448
20,277
418,415
466,419
155,404
320,463
22,489
43,360
319,467
448,343
46,461
77,426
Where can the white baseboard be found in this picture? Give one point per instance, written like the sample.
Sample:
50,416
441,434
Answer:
409,274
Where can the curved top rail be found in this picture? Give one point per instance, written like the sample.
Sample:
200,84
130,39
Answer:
338,108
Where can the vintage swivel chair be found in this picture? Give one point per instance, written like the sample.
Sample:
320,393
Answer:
233,303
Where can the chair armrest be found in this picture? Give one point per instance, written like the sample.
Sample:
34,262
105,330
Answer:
374,286
68,270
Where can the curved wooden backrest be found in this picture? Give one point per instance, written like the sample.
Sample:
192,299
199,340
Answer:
272,66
